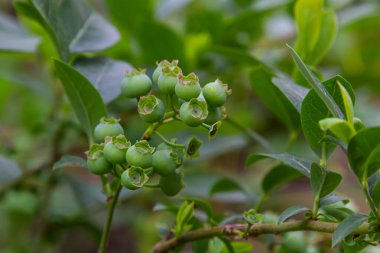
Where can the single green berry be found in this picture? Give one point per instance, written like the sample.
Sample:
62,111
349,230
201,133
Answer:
151,109
140,154
136,84
216,93
160,65
172,184
165,162
96,161
107,127
116,148
187,87
168,79
133,178
194,112
214,115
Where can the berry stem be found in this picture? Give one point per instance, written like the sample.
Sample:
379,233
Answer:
112,200
169,142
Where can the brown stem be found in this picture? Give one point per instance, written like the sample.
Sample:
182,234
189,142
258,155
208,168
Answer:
236,230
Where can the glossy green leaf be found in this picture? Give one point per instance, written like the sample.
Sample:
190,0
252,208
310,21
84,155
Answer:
294,92
105,75
323,182
69,161
338,213
291,211
9,170
85,100
273,98
364,152
72,25
278,176
340,128
347,226
14,37
331,199
313,110
299,164
317,86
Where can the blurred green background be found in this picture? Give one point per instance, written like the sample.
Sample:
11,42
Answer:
63,211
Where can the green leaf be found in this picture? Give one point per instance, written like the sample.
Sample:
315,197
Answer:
169,46
299,164
347,103
331,199
308,19
338,213
69,161
328,32
85,100
317,29
9,170
340,128
238,247
291,211
105,75
184,215
364,152
72,25
278,176
323,182
375,193
275,99
294,92
14,37
317,86
225,185
313,110
347,226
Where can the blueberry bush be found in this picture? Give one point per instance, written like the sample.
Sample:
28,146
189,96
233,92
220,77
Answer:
189,126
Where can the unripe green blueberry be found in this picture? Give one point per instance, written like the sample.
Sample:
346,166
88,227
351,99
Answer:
172,184
136,84
158,71
133,178
216,93
96,162
168,79
116,148
165,162
187,87
140,154
107,127
214,115
194,112
151,109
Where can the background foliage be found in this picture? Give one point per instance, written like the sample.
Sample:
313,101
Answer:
242,42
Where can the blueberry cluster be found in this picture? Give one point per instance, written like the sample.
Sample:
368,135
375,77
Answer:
133,164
